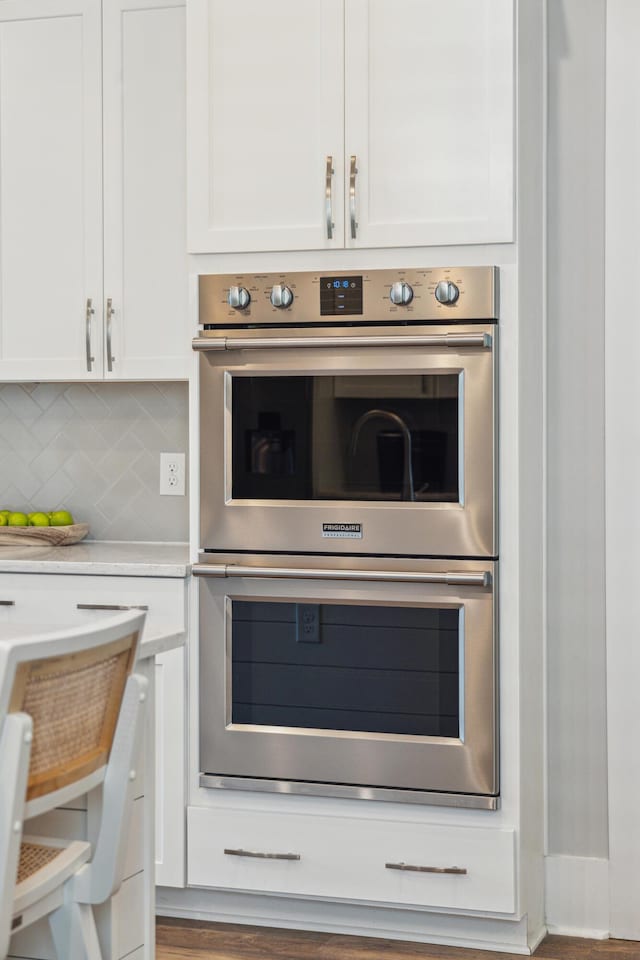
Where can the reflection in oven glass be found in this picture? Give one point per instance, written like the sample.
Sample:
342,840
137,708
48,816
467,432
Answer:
369,437
346,667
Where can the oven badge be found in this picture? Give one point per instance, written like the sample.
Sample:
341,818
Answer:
342,531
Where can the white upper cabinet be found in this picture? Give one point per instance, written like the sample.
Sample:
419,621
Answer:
429,120
50,193
93,274
265,111
410,100
145,231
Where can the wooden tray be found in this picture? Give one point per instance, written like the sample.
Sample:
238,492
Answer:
43,536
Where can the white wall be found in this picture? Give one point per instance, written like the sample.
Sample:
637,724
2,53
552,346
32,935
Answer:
577,760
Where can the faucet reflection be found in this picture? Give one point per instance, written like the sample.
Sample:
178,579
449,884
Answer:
408,492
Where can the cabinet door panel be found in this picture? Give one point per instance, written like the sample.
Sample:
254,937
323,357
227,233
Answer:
429,116
50,187
145,189
266,109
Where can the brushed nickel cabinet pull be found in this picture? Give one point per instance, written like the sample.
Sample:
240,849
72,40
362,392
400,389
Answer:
352,197
111,606
328,199
7,603
413,868
87,320
110,313
262,856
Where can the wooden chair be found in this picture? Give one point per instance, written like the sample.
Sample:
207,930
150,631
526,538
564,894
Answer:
70,722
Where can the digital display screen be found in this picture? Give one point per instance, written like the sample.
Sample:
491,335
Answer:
340,296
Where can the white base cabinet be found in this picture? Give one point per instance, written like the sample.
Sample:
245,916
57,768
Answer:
343,858
126,924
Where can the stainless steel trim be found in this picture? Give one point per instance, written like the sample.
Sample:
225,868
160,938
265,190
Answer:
87,320
478,300
345,791
352,197
110,313
484,340
328,199
482,579
7,603
111,606
262,856
457,871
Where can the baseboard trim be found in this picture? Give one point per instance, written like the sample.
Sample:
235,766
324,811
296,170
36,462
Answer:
216,906
577,896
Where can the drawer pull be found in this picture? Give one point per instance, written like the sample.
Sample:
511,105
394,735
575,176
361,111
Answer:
455,871
262,856
7,603
111,606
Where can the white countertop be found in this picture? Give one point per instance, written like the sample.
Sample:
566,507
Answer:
100,557
151,644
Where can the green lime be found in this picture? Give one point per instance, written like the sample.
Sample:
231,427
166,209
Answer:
18,520
60,518
3,520
6,513
38,520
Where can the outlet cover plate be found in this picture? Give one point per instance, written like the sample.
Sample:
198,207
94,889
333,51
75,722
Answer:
172,474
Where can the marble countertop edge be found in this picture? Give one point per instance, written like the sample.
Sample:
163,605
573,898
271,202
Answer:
101,558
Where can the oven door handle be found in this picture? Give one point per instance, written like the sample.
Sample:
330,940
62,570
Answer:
461,579
484,340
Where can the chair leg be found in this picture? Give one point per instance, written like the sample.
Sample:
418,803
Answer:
74,932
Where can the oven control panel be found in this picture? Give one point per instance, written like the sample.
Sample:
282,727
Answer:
429,294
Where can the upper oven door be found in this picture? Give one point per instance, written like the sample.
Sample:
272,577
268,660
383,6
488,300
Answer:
350,444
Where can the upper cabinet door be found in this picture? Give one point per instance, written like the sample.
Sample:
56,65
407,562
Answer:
50,189
265,112
429,119
146,332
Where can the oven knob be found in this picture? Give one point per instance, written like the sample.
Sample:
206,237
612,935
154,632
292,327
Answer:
281,296
447,292
239,298
401,294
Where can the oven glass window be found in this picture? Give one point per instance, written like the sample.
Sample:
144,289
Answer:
327,666
381,437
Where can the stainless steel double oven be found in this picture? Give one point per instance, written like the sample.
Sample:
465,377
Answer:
348,533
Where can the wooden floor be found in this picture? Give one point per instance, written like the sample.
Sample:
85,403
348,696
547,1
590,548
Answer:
192,940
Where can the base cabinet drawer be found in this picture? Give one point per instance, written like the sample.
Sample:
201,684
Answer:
395,862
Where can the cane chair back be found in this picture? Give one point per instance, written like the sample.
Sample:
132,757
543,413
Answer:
70,712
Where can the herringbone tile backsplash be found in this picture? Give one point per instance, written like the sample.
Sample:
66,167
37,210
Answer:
94,449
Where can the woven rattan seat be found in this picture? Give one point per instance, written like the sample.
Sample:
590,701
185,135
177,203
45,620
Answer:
33,857
71,709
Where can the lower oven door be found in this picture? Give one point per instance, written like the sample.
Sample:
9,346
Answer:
342,681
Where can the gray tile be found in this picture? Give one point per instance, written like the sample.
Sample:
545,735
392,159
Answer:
82,472
44,394
95,450
86,401
16,439
20,402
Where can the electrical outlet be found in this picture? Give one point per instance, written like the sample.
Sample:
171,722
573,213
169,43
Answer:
172,468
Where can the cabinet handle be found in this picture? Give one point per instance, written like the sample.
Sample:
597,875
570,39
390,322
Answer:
352,197
455,871
262,856
328,198
87,319
7,603
110,313
111,606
